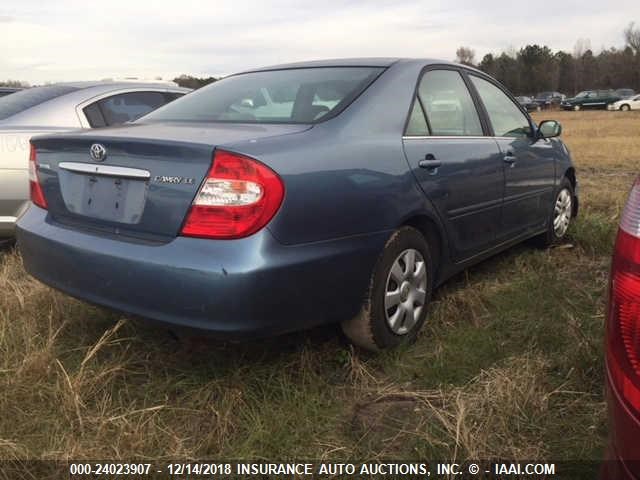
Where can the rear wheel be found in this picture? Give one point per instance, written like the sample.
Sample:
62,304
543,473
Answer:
625,107
395,306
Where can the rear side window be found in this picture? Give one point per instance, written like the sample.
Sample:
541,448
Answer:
506,117
94,115
301,95
448,104
20,101
127,107
417,124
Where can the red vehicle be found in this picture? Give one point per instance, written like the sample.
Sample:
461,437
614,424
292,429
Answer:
623,346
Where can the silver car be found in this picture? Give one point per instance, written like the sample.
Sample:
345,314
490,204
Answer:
62,107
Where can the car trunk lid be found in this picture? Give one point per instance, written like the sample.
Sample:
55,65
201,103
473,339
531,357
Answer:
137,181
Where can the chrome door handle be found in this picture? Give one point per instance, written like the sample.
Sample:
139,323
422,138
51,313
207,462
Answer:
429,163
510,159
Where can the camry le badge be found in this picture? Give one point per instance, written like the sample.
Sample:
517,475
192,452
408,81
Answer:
98,152
174,180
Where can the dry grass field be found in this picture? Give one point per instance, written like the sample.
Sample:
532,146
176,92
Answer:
509,365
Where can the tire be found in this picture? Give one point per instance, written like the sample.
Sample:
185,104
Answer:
384,320
561,209
576,108
625,108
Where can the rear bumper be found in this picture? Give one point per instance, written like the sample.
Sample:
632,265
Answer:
236,288
14,199
7,226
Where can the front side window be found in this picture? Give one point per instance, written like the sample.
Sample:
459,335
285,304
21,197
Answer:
448,104
505,116
300,95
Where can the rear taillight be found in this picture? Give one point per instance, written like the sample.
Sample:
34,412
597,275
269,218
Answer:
237,198
623,322
35,189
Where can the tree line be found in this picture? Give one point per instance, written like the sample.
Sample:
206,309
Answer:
535,68
13,84
187,81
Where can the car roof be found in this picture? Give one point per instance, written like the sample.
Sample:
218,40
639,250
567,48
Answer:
357,62
113,84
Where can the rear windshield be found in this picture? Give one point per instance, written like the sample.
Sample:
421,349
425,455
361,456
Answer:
24,99
302,95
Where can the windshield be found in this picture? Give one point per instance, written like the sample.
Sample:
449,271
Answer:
302,95
24,99
583,94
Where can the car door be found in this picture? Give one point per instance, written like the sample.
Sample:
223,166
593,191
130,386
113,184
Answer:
595,100
528,162
457,166
635,103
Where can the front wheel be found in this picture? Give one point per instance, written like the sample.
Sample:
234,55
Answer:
625,107
576,108
561,215
395,307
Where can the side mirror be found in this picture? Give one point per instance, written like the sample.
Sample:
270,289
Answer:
246,102
549,129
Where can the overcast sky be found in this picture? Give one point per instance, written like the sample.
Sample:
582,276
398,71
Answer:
85,40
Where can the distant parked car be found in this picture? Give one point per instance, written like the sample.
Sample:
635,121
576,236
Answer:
549,99
8,91
348,202
590,99
61,107
630,103
625,92
622,347
528,103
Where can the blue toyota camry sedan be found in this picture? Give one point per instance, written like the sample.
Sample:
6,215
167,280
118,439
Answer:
290,196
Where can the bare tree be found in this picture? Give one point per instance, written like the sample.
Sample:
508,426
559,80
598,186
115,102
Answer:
582,46
466,56
632,37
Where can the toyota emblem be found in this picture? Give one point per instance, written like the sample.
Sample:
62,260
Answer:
98,152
